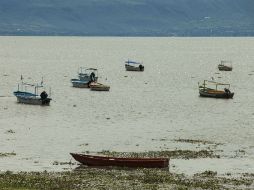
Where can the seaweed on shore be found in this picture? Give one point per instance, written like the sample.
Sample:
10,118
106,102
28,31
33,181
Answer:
5,154
97,178
183,154
194,141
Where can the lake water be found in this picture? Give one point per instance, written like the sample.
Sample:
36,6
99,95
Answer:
142,111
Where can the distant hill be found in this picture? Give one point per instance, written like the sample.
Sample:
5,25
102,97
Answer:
127,17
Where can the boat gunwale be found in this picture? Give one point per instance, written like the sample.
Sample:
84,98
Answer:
110,158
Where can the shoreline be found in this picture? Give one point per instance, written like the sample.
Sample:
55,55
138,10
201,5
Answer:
83,177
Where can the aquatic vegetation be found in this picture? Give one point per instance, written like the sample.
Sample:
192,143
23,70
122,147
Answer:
207,173
7,154
113,178
184,154
10,131
248,175
193,141
63,163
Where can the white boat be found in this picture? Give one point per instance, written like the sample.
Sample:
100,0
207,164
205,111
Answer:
26,97
98,86
85,76
134,66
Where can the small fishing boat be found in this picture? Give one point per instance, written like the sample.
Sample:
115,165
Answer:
85,76
225,66
215,92
98,86
91,160
133,66
25,97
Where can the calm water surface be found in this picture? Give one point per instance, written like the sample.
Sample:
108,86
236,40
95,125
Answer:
143,111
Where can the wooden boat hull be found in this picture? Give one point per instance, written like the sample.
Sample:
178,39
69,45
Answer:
79,84
133,68
105,88
99,87
33,100
225,68
90,160
225,95
30,98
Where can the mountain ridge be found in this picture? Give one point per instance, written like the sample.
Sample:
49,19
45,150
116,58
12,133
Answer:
127,18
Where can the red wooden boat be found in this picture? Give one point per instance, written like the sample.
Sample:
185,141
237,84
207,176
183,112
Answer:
91,160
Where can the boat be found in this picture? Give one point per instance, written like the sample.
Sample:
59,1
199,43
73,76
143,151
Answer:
91,160
85,77
98,86
133,66
215,92
225,66
26,97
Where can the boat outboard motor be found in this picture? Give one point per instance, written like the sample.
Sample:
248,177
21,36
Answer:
227,90
141,67
92,77
44,95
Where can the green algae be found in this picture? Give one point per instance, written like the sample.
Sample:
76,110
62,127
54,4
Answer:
112,178
6,154
206,173
175,154
196,141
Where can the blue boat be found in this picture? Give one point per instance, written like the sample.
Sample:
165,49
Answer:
134,66
85,77
25,97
